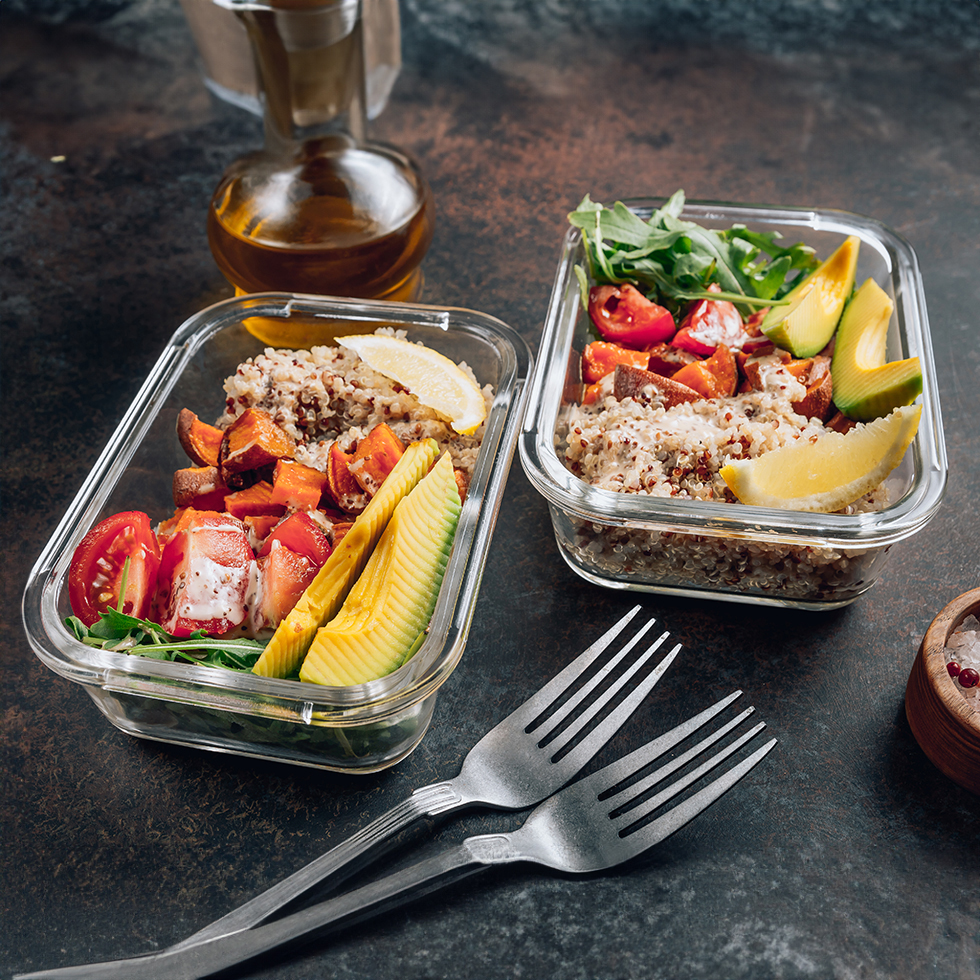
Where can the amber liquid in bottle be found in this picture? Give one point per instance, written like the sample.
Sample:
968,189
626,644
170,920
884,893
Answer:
319,210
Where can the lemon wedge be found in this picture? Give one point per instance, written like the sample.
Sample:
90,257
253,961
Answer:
830,473
433,378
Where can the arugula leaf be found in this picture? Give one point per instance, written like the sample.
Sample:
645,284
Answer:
121,633
673,261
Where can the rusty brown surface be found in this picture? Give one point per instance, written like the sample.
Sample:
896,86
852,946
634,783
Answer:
850,855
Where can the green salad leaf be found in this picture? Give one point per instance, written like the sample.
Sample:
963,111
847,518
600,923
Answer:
672,261
121,633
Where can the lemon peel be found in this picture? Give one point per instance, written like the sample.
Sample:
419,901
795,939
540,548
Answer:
828,474
437,382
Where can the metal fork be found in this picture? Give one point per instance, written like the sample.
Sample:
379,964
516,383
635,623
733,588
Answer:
593,824
516,765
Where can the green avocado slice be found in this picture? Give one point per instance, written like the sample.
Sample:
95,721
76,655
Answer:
324,595
383,621
865,386
804,326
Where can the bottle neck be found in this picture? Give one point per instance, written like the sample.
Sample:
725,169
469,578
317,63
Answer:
309,59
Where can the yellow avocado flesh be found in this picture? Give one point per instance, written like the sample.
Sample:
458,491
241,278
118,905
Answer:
324,595
865,385
804,326
383,621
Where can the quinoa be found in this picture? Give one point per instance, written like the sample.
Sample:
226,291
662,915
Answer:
637,446
328,394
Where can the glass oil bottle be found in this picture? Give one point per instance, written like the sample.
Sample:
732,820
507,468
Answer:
320,208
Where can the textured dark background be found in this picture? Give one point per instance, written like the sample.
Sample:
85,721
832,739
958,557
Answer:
848,855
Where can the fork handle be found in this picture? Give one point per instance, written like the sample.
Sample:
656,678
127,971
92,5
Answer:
226,951
338,863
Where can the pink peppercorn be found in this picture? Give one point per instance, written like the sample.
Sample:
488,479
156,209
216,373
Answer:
969,677
953,668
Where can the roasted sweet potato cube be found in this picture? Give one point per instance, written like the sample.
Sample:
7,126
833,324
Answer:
630,382
839,422
667,360
817,403
252,441
750,365
168,528
200,487
297,486
254,500
339,530
201,442
714,377
375,458
259,526
343,489
601,357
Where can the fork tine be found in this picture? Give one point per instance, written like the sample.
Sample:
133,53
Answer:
607,780
539,702
554,721
609,725
633,790
630,815
680,815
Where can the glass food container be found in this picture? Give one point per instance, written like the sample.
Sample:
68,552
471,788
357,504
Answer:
722,550
355,729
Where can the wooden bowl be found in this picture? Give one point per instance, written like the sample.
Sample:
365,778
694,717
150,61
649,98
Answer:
945,724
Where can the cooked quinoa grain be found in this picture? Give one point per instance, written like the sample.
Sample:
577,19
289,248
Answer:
637,446
328,394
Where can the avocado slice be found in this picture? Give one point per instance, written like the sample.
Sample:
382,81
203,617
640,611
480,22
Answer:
867,387
804,326
384,619
324,595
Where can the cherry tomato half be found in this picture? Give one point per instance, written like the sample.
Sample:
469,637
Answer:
708,323
205,573
95,575
300,534
284,575
623,315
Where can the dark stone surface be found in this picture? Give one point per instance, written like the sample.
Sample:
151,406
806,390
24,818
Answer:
848,855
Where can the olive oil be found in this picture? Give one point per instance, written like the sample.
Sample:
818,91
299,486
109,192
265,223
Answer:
345,221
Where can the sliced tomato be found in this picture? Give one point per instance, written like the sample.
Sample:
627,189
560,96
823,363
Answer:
709,323
205,574
283,578
300,534
623,315
95,574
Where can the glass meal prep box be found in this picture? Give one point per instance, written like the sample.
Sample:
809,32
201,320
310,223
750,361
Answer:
356,729
722,550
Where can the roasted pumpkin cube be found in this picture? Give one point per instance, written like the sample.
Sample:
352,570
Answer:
297,486
254,441
201,442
